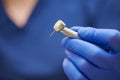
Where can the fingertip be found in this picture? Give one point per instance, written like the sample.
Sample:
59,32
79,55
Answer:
67,52
71,71
64,40
66,68
65,62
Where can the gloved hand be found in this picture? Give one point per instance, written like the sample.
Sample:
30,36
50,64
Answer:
95,57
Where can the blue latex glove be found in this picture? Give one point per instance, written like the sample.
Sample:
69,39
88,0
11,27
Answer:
95,57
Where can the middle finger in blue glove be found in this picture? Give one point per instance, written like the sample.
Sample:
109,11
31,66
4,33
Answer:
89,51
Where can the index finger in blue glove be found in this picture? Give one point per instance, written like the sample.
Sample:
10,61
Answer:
109,38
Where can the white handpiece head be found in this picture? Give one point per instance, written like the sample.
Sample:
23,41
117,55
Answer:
59,25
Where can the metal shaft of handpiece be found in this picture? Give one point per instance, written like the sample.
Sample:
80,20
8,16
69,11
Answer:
70,33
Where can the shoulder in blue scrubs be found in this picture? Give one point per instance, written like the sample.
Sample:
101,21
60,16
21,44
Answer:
29,53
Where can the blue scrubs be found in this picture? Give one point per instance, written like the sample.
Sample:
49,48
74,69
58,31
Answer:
29,53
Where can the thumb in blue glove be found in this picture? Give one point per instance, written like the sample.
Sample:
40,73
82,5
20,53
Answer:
95,57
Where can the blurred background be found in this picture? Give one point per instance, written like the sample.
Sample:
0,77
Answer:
27,52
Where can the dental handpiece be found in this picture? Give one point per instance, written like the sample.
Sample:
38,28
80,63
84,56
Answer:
60,26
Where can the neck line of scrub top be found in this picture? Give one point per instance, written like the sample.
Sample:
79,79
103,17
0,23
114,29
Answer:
14,26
